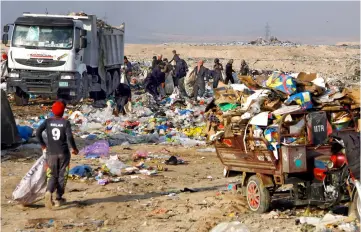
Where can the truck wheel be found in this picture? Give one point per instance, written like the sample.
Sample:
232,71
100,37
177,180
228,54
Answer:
355,207
21,98
116,79
82,91
258,197
108,83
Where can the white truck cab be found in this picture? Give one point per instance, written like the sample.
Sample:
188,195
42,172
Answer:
64,56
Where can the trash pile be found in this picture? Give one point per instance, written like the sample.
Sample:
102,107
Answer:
173,121
257,106
273,41
329,222
100,23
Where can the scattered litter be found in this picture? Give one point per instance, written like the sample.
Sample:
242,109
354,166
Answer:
234,226
207,150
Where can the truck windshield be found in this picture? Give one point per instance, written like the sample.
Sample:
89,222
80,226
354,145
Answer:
43,37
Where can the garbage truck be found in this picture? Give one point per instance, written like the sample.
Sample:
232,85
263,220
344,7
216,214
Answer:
71,57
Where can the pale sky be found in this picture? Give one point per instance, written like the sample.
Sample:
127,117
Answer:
157,22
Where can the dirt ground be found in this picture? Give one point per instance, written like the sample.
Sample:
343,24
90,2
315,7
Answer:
137,203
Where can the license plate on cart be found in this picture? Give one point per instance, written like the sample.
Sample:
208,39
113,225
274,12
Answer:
63,84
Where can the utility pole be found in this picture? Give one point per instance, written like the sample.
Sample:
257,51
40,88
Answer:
105,17
267,32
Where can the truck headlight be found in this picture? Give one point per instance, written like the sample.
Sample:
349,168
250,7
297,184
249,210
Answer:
14,75
67,76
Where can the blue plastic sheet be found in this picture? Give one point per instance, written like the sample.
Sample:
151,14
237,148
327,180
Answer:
25,132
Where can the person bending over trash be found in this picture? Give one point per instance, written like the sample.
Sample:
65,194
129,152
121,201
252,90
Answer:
201,74
151,84
122,95
59,133
217,72
229,72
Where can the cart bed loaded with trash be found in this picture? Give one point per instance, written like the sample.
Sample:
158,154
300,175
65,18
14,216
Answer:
288,135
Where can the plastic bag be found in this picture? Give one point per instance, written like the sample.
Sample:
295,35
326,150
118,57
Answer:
25,132
128,107
91,126
282,82
100,147
303,99
123,79
115,166
33,184
235,78
80,171
169,84
235,226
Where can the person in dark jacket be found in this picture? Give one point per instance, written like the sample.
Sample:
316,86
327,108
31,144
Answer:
128,69
201,74
244,68
177,71
122,95
154,62
59,134
229,72
217,72
175,56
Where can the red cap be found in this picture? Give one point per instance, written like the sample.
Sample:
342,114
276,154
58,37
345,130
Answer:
58,108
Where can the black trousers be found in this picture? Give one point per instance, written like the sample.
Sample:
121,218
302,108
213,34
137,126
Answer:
152,89
57,173
201,86
175,81
229,78
121,102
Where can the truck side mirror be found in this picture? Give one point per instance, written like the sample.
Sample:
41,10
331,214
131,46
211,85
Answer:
83,33
5,39
6,29
83,42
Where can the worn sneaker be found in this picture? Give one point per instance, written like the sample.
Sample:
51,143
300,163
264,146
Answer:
49,200
60,202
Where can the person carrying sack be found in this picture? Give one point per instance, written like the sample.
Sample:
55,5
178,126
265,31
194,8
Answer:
59,134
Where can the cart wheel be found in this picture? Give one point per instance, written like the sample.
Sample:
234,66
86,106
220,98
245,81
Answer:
258,197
